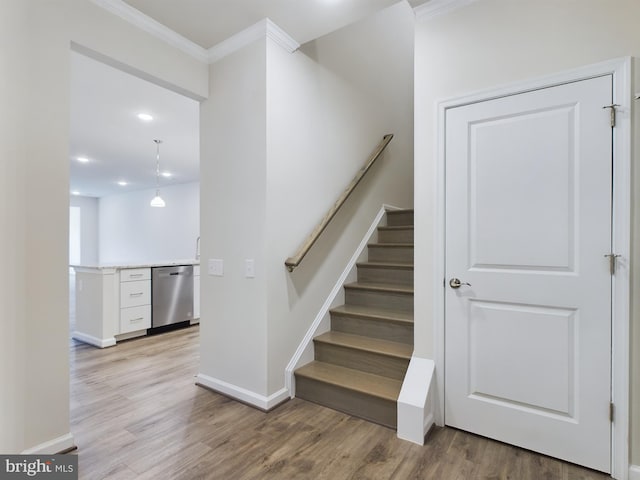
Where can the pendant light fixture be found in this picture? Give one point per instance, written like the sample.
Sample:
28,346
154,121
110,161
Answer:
157,201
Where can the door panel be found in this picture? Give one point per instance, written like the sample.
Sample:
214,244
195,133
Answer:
506,215
528,222
507,338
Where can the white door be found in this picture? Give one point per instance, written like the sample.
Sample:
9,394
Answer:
528,225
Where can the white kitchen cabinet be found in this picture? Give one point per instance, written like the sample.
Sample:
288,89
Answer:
113,302
135,274
135,300
135,318
134,294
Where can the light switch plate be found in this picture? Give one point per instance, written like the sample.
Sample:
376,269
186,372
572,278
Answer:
216,267
249,268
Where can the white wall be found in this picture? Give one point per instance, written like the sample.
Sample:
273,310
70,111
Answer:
13,294
89,241
282,136
232,178
328,105
493,42
34,212
131,230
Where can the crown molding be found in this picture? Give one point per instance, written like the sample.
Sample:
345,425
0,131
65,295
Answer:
434,8
155,28
237,41
265,28
282,38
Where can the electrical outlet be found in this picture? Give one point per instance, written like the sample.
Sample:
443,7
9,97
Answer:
216,267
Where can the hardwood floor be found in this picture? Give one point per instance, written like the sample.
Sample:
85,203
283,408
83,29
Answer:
137,414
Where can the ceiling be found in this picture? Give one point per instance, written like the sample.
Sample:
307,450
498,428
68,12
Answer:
209,22
106,130
105,101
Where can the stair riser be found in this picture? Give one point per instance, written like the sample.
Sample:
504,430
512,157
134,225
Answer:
370,362
386,330
385,275
399,219
373,409
390,254
384,300
395,236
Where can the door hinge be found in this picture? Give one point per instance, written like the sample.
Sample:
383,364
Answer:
612,262
612,110
612,411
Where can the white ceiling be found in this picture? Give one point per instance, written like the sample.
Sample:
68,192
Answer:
209,22
105,101
105,129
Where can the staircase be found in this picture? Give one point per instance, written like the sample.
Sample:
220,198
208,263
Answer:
360,364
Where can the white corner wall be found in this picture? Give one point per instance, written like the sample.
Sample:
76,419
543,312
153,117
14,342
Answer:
133,231
232,180
282,135
34,211
89,224
494,42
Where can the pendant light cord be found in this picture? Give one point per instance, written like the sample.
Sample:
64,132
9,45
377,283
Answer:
158,142
157,200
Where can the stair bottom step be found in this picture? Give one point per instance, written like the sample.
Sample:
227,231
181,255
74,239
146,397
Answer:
356,393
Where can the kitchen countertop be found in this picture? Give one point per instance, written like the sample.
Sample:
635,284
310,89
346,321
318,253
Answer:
122,265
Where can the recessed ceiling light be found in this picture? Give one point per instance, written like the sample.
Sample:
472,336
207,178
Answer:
122,183
167,174
75,192
82,159
145,117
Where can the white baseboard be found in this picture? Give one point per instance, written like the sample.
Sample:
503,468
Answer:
634,472
321,323
242,394
95,341
57,445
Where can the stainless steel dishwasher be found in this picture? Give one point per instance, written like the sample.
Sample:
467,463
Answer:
171,295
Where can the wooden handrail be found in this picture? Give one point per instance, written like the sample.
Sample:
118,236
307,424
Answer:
293,262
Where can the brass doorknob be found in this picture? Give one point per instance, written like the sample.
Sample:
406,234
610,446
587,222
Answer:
456,283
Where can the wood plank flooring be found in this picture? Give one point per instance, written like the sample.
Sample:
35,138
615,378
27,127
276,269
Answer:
137,414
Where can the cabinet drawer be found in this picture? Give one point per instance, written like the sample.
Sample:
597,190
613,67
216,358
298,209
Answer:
135,274
133,294
135,318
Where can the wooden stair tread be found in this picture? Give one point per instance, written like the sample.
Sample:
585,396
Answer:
368,344
381,287
362,311
359,365
389,265
350,379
